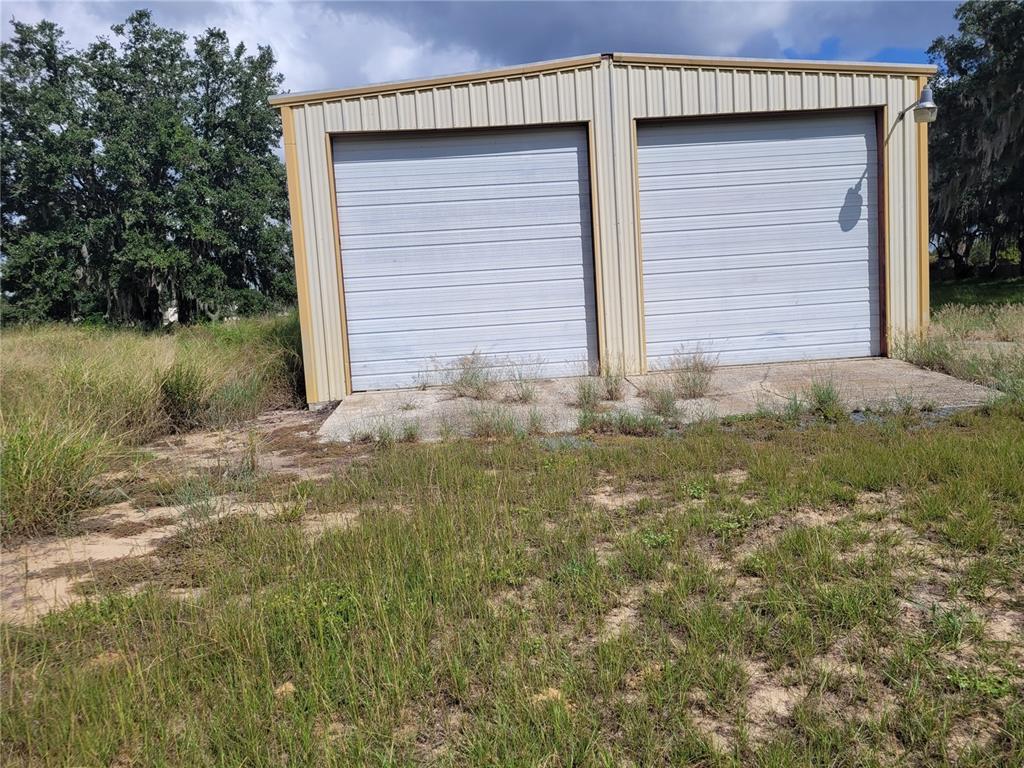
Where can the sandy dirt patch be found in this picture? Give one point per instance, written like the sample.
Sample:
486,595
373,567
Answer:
41,575
279,442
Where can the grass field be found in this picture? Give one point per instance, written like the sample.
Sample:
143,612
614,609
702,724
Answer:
78,400
978,291
743,594
979,337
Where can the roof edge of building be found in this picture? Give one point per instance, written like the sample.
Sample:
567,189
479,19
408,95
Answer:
814,65
555,65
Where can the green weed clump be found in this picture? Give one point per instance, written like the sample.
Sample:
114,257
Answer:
825,401
471,375
661,400
77,400
621,422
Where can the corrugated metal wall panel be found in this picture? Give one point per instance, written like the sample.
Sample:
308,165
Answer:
638,91
461,117
532,109
741,91
388,107
478,111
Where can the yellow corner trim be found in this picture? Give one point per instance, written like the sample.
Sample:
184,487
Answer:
336,251
924,276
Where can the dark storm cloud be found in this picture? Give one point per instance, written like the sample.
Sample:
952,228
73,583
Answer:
322,45
525,31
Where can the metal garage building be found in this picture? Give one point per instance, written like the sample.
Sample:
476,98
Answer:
606,212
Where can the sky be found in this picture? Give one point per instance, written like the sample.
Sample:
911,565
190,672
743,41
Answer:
323,45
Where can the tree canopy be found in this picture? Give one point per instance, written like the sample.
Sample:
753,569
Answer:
976,147
139,174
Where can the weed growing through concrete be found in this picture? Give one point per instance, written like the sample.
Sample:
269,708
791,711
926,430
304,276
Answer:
471,376
535,422
614,385
523,376
620,422
587,393
691,373
790,410
447,427
410,431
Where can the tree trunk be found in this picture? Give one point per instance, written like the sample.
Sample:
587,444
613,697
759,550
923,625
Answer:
961,258
993,252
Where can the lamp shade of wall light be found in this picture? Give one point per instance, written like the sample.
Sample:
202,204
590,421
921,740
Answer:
925,110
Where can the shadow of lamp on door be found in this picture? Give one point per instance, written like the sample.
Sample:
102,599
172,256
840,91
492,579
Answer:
925,111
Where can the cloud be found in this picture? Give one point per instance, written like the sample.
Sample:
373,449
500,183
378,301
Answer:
324,45
317,45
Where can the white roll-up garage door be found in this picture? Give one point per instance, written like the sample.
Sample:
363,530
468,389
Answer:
760,239
465,242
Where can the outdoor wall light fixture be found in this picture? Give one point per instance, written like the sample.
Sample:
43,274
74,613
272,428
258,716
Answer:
924,108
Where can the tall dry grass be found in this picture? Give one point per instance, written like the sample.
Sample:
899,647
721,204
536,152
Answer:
77,400
982,343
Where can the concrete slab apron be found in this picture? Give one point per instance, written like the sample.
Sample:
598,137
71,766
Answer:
435,413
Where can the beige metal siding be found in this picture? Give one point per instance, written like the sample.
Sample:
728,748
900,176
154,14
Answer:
652,91
609,95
